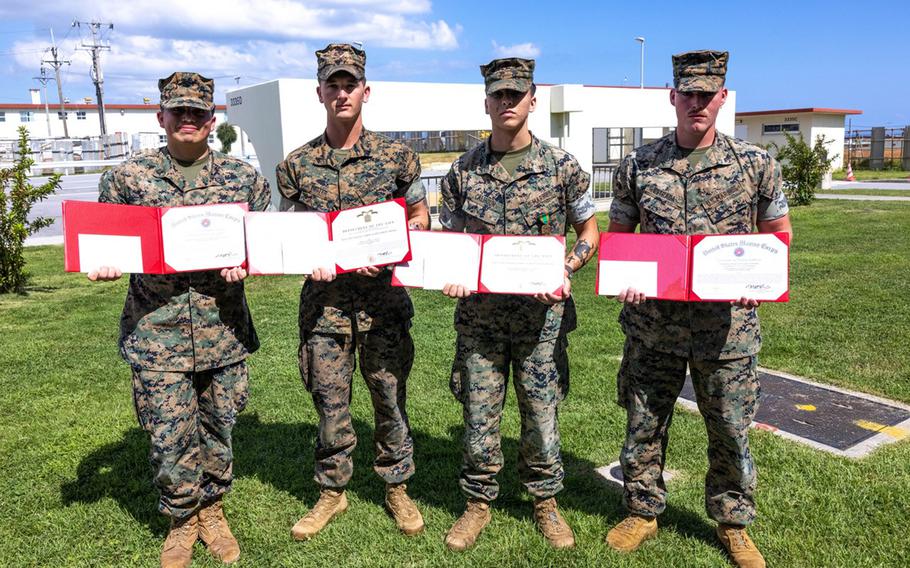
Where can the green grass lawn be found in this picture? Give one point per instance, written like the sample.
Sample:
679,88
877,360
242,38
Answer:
883,191
872,175
77,487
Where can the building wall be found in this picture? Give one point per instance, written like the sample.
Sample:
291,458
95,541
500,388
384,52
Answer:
811,125
831,126
281,115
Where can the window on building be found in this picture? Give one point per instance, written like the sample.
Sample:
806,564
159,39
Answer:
779,128
211,138
25,116
2,117
162,139
60,115
80,115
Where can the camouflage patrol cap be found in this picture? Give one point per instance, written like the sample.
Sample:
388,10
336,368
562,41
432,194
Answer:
337,57
700,70
184,89
510,73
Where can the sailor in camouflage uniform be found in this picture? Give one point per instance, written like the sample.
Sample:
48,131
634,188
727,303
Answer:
514,184
186,336
360,313
694,181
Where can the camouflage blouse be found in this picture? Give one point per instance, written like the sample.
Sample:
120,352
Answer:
736,184
547,194
315,177
190,321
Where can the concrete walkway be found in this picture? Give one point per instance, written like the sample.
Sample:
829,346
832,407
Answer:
849,197
899,185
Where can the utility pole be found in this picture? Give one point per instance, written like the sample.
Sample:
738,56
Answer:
56,64
43,79
95,48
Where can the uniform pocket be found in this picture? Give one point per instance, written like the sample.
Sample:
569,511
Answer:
482,211
140,400
303,362
456,385
241,388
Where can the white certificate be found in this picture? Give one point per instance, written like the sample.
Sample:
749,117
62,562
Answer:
522,265
372,235
123,252
288,243
439,258
729,267
203,237
617,275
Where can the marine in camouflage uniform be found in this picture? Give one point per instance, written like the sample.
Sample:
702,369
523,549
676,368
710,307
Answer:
545,194
355,314
726,187
186,336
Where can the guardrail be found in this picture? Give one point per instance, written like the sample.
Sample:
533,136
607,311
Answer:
67,165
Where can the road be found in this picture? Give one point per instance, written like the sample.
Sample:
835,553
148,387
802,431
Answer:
76,187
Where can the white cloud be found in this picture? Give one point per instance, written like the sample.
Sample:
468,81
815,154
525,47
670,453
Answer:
388,23
525,50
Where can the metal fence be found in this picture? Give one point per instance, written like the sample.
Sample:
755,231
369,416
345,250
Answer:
55,150
602,180
439,140
601,185
878,148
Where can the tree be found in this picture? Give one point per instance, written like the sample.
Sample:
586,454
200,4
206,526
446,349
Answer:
803,167
17,196
227,135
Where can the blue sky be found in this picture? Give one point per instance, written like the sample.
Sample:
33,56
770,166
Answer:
783,54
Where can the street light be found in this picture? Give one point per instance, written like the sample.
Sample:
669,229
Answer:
641,40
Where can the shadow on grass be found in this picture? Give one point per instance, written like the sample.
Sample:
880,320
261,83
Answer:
281,455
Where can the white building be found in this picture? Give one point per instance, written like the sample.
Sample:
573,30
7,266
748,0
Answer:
597,124
138,121
769,126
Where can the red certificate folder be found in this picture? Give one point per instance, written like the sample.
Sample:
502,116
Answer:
86,218
672,259
669,252
362,212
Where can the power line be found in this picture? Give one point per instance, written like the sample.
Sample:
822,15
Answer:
95,48
56,63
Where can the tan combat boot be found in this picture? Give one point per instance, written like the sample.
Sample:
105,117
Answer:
554,528
331,503
631,532
742,550
403,510
216,534
177,551
464,532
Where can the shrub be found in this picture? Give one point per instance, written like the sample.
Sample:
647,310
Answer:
804,167
17,196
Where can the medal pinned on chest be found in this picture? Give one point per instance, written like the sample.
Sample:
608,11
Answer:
544,221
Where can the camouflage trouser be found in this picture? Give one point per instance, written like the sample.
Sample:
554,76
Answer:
727,392
541,377
189,417
327,368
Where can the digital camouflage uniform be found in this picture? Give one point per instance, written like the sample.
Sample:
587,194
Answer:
355,312
547,194
735,185
186,335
